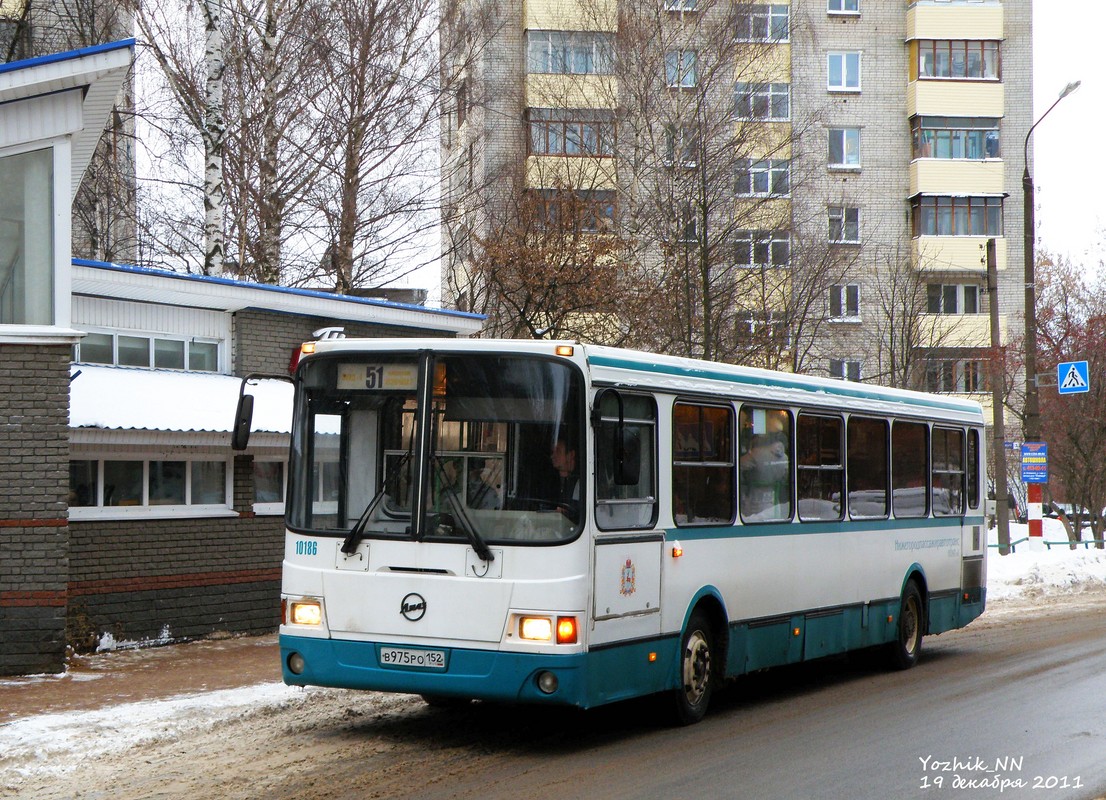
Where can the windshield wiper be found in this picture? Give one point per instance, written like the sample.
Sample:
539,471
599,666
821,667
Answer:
459,514
357,532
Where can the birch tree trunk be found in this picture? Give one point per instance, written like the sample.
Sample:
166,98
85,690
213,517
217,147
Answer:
213,134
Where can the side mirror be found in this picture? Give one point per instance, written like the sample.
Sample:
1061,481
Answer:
243,420
625,443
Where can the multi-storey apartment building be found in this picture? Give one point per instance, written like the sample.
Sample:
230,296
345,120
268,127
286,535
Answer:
843,161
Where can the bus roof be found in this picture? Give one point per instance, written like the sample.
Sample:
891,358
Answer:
613,366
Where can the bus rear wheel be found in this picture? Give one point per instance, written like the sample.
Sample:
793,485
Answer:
697,671
904,651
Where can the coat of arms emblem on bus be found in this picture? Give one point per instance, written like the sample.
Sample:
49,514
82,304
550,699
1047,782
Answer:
628,575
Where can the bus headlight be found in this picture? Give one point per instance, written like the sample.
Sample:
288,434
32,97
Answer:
537,629
305,612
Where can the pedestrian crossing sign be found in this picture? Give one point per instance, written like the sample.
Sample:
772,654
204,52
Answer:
1072,377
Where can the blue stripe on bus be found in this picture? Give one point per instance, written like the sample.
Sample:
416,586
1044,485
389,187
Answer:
843,390
758,529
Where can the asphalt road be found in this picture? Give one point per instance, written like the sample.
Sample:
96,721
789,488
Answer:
1012,706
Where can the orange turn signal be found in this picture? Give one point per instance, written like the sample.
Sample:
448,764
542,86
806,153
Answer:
566,630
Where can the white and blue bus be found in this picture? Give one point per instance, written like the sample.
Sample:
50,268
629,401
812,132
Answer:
551,522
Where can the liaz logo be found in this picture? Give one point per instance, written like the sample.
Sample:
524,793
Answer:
413,607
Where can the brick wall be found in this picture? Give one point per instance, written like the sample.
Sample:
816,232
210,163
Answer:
34,468
176,578
264,341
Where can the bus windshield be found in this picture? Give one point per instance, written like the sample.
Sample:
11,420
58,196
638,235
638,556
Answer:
488,442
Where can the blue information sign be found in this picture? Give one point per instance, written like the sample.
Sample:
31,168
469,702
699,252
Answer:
1034,462
1072,377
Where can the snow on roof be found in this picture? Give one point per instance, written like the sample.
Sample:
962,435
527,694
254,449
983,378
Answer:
123,281
162,400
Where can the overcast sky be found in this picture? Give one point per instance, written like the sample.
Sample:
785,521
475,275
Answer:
1070,168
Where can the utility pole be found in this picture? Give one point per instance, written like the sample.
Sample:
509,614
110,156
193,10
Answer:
998,446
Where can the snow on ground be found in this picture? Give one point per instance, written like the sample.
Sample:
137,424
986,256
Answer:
50,744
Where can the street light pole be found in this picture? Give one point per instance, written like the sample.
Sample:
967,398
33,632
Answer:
1032,401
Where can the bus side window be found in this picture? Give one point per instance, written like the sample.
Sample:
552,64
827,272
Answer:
766,459
702,464
909,469
948,472
625,505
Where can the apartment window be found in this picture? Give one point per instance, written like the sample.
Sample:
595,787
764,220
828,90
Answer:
762,248
955,137
958,59
569,52
680,5
843,71
154,487
763,329
952,298
571,132
680,69
844,224
845,301
762,101
27,239
761,22
844,147
764,178
148,351
845,369
589,211
843,6
681,145
957,216
956,376
687,224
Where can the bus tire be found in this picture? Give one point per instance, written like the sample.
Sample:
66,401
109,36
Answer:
904,651
698,674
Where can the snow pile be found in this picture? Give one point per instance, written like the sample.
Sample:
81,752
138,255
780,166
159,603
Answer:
56,743
1033,571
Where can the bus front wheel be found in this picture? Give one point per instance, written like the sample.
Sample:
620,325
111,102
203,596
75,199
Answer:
697,671
903,652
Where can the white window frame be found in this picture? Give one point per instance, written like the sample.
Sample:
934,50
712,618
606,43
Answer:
681,69
848,145
277,507
849,82
842,7
845,369
151,337
681,146
751,239
768,93
769,168
841,213
681,6
962,290
145,510
845,299
762,16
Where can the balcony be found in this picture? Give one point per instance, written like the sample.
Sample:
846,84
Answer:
958,330
951,97
571,91
577,172
570,15
956,253
955,176
954,21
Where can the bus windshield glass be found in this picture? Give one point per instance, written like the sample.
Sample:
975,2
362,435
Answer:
489,442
